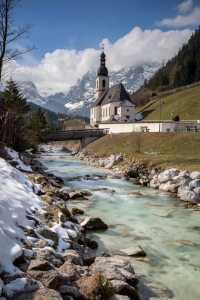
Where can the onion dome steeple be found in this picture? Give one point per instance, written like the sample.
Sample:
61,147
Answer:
102,70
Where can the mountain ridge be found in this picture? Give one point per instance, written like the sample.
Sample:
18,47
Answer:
80,96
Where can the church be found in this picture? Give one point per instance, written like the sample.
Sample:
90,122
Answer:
112,104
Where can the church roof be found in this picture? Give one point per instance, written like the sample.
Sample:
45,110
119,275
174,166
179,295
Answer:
116,93
126,103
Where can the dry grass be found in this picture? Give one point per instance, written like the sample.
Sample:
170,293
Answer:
174,149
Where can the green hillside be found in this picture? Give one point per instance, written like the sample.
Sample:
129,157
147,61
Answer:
186,104
158,149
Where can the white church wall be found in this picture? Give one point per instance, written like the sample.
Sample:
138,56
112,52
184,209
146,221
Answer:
127,111
152,126
118,128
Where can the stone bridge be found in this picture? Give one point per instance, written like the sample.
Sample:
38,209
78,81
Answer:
86,135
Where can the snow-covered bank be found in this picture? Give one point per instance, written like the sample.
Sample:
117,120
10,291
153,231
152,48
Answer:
17,199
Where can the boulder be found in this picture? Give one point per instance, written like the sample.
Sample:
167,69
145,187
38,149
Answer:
77,211
27,160
91,243
132,173
95,287
39,265
77,195
154,183
123,288
183,189
48,234
50,257
167,175
113,268
185,182
50,280
166,186
41,294
187,194
74,271
69,290
134,251
194,183
195,175
144,180
197,190
93,223
87,255
72,256
190,197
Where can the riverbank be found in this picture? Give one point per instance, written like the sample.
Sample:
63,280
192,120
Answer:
47,253
164,150
182,184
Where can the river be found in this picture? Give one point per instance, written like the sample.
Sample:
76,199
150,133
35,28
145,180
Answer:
169,233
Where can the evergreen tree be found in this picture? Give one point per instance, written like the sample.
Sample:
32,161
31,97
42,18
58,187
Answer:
16,109
37,126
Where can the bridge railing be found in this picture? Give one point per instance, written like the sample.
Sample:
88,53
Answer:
77,133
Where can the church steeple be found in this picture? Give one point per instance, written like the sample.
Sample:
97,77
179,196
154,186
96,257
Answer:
102,79
102,70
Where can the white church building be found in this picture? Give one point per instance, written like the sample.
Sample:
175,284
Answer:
113,109
112,104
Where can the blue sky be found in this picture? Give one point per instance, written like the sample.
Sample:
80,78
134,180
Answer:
68,35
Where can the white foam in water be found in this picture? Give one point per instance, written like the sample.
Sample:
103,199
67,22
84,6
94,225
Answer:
135,220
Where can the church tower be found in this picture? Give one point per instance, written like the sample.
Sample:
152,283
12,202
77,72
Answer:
102,79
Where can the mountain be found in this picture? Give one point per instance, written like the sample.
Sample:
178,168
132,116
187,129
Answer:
180,70
80,96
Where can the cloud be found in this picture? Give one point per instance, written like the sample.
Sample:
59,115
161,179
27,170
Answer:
185,6
61,69
192,18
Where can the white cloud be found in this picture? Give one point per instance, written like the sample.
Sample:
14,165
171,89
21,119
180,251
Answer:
185,6
192,18
61,69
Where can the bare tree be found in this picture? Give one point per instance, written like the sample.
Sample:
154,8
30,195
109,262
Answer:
138,138
10,33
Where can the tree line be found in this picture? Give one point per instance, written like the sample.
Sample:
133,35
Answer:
19,128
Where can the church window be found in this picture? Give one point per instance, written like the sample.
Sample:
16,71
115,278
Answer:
103,112
127,117
115,110
109,96
127,109
104,83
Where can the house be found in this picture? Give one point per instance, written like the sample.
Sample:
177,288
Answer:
112,104
71,123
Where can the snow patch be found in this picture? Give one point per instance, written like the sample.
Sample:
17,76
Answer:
15,157
17,198
139,116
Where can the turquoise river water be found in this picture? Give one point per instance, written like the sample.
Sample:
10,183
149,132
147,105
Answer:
172,243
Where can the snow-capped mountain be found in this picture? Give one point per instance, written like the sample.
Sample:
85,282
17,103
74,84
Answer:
80,96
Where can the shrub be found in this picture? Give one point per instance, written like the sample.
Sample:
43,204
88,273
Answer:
176,118
96,125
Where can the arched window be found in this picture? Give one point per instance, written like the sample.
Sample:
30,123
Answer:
103,83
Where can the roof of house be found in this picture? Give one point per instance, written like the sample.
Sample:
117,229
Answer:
114,94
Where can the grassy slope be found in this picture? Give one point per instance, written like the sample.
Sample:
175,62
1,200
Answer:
175,149
186,104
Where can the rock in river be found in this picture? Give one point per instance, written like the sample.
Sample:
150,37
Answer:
134,251
90,223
